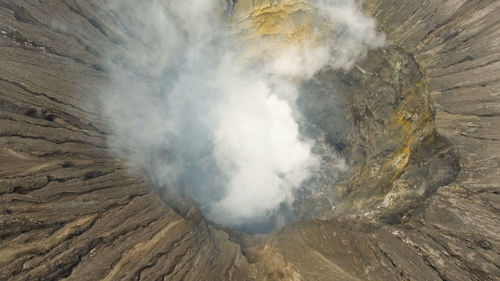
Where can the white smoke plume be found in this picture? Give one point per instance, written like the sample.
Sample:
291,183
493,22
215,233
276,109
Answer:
212,121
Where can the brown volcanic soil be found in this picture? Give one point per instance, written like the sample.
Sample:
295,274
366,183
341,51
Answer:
69,210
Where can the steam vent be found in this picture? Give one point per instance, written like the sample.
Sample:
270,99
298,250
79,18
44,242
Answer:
295,140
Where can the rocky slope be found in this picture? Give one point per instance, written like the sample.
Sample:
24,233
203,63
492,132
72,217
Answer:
421,202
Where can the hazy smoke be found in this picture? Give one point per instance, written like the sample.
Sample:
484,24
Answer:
213,119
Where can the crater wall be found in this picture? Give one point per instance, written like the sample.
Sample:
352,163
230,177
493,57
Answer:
69,210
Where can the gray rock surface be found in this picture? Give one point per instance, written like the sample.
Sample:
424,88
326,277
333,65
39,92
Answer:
421,203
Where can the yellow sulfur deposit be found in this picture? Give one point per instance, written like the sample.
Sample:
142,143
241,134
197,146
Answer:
278,23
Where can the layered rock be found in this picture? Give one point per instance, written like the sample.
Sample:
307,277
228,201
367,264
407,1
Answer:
420,202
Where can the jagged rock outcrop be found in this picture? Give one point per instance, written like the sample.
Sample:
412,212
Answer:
425,210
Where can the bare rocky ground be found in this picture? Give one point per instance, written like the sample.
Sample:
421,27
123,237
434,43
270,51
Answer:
429,137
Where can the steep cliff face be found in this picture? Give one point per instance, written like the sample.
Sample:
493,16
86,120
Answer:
421,137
